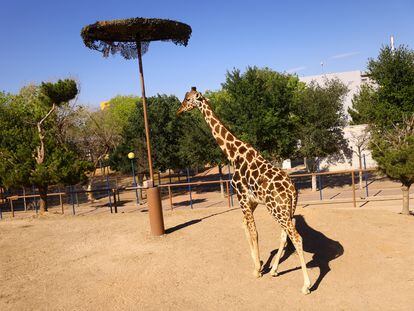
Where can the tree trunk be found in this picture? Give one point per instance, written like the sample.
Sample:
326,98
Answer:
140,183
314,186
91,199
221,178
406,200
43,199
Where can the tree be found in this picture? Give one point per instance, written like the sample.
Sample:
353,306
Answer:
393,149
392,94
100,132
362,105
258,108
30,152
360,139
320,120
52,95
165,128
389,111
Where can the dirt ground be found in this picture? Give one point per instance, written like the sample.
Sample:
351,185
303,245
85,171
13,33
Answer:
358,259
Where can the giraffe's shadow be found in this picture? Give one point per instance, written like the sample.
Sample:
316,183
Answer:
322,248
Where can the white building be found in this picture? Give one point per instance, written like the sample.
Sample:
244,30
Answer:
355,134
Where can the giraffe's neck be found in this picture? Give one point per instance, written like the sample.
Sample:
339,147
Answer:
227,142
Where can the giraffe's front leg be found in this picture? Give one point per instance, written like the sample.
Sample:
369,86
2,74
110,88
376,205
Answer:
253,239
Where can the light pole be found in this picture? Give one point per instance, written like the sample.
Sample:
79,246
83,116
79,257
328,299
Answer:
131,156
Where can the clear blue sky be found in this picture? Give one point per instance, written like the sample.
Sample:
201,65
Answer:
40,40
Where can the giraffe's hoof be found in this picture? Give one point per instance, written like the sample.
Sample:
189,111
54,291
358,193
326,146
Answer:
274,273
305,290
257,274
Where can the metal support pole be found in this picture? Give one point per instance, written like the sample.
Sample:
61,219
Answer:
189,187
12,207
77,199
353,188
365,176
115,205
134,181
72,200
170,196
319,181
34,198
117,187
24,199
231,188
228,194
1,202
61,202
108,191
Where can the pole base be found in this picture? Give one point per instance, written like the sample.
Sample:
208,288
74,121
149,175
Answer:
155,211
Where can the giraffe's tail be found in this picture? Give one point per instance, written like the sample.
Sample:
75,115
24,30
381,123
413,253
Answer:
293,202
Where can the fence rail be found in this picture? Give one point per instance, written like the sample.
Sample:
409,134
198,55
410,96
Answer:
113,194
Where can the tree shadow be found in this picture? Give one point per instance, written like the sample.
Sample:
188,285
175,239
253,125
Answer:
323,249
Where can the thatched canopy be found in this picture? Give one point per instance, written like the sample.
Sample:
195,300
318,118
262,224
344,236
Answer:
123,35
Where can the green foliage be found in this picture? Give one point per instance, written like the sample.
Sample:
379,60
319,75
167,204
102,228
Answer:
60,92
363,110
176,142
321,119
258,107
388,108
165,131
393,149
197,146
392,97
19,140
165,128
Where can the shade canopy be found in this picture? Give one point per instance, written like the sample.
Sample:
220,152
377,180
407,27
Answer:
110,37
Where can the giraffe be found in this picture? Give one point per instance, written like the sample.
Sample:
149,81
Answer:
256,181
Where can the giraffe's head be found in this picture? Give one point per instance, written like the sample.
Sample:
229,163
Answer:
191,100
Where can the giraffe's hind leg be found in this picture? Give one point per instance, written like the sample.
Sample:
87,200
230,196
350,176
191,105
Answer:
297,242
283,240
283,216
251,234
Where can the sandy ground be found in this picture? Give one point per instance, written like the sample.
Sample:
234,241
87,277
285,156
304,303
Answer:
358,259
